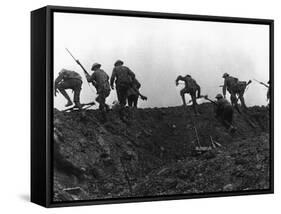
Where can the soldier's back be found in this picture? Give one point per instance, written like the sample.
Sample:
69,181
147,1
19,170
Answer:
100,76
231,81
68,74
190,82
122,74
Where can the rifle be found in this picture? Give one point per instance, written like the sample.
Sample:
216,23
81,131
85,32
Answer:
141,96
85,71
206,98
261,83
138,92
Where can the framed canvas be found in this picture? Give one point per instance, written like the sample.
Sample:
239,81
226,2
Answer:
131,106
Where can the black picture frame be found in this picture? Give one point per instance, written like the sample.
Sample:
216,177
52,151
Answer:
42,101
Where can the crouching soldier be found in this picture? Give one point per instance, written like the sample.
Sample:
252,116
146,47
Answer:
191,87
134,94
124,77
69,80
235,88
100,80
224,112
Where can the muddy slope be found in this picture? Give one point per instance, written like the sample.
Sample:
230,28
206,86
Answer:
153,153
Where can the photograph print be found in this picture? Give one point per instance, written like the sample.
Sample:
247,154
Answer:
147,107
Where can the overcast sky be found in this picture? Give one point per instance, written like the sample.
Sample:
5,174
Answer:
158,50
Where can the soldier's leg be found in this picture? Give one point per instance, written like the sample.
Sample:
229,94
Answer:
102,102
61,87
107,93
98,99
130,100
241,98
118,94
182,93
194,102
135,101
121,94
198,92
77,90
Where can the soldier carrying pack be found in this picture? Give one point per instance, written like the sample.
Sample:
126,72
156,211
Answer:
69,80
235,88
191,87
123,78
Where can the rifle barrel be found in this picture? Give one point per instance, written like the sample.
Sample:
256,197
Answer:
71,54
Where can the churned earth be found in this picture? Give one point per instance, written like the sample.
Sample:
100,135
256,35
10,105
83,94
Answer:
153,153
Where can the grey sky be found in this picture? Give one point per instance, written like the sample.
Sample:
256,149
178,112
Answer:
158,50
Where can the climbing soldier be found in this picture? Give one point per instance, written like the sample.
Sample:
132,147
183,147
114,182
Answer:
69,80
123,78
100,80
134,94
268,88
235,88
224,112
191,87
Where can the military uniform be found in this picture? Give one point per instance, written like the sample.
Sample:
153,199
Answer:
123,78
69,80
100,80
133,94
191,87
235,88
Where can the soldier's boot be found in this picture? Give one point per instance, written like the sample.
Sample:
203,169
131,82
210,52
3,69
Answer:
63,92
78,104
69,103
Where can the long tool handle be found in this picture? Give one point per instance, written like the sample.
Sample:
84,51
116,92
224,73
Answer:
197,137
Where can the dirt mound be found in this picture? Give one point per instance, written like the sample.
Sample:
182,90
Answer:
151,152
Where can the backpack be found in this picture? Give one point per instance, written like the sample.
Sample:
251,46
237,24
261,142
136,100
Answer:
231,82
67,74
123,74
191,83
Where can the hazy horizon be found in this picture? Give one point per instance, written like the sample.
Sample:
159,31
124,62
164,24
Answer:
158,50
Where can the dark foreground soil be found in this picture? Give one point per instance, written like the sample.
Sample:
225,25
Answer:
152,152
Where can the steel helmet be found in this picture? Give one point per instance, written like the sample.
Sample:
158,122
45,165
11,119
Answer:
219,96
225,75
95,65
118,62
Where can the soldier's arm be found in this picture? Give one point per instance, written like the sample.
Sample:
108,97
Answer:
178,79
112,79
92,79
224,88
58,79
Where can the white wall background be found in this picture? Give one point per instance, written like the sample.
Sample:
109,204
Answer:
15,107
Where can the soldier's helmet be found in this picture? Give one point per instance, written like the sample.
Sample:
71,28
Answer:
118,62
96,65
225,75
219,96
